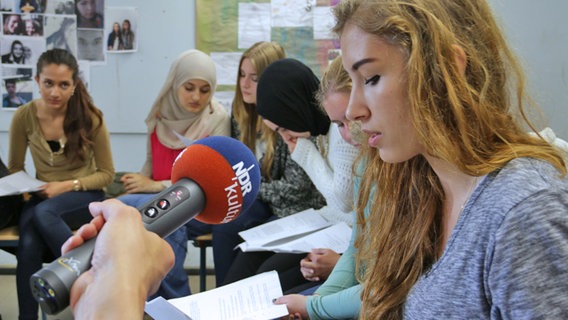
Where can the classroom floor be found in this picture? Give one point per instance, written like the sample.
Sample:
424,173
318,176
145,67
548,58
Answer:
9,300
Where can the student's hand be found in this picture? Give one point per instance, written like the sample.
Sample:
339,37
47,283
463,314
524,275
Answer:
318,264
128,264
52,189
296,304
137,183
291,143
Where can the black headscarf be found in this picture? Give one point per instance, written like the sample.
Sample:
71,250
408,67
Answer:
286,97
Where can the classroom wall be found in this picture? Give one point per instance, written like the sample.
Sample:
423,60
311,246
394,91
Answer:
538,32
126,86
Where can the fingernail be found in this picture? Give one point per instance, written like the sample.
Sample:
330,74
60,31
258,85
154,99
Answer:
273,300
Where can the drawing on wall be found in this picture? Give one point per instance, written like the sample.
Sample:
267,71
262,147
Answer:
61,32
121,30
225,28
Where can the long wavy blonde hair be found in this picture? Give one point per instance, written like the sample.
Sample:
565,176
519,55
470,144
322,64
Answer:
466,121
260,54
334,79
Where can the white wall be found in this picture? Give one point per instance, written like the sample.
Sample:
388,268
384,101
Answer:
538,32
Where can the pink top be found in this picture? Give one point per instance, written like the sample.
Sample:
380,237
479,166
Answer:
162,159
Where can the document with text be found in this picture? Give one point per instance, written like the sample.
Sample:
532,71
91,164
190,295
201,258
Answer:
19,182
250,298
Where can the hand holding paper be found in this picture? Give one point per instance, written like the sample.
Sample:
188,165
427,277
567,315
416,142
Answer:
250,298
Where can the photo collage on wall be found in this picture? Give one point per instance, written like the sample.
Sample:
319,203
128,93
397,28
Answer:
86,28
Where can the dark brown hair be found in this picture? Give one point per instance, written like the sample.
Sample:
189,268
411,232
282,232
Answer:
83,119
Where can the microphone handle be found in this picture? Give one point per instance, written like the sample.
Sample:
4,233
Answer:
165,213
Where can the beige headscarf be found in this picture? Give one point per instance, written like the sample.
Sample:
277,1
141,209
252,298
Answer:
167,115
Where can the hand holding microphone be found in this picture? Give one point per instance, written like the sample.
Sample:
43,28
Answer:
120,277
215,179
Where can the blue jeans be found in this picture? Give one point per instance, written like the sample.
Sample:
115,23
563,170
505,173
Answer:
176,283
225,239
310,291
45,224
226,236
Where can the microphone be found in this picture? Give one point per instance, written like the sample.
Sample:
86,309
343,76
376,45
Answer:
214,180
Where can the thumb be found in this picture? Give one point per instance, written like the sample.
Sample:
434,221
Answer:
280,300
319,250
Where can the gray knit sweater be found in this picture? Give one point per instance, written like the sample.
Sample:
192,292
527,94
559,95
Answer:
507,257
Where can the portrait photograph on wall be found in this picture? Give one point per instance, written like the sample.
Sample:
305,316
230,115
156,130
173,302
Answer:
91,45
90,13
33,25
12,24
60,7
121,29
17,87
21,50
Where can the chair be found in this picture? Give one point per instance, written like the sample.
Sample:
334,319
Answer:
9,239
202,242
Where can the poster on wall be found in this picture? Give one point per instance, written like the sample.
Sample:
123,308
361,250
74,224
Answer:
225,28
90,30
121,30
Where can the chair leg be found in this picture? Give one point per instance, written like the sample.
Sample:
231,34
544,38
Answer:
202,268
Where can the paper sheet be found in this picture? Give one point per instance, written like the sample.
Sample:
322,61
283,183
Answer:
250,298
296,224
19,182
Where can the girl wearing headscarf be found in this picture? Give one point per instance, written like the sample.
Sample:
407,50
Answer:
184,111
286,100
